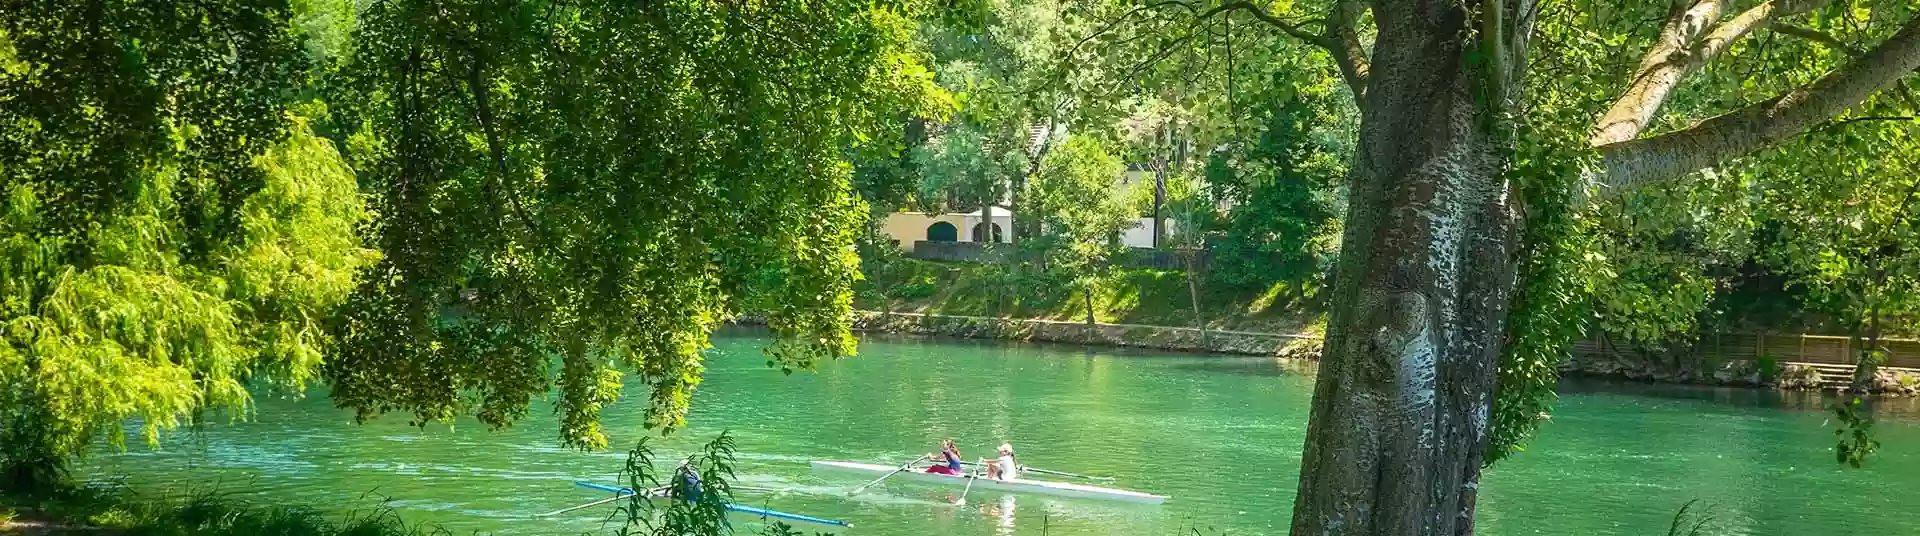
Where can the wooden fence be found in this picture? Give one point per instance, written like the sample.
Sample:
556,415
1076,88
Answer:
1823,349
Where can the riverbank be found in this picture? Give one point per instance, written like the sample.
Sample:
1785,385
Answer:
1179,339
1586,361
117,510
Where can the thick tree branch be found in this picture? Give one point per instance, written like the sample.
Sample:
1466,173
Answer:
1288,28
1665,64
1341,39
1343,30
1690,38
1631,164
1835,43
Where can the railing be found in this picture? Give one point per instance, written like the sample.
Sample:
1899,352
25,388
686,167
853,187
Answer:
1824,349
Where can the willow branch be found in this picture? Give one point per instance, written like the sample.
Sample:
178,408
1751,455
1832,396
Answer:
1630,164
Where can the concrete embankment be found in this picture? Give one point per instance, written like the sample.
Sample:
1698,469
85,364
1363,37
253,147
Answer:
1102,334
1586,361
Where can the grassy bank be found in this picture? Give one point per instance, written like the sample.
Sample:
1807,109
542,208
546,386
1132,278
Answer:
118,510
1129,296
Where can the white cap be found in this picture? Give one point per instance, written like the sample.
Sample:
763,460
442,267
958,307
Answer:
1006,447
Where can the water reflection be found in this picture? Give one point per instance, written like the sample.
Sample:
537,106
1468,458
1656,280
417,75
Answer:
1003,513
1253,366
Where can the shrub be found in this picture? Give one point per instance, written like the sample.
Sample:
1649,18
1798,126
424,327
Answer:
1768,367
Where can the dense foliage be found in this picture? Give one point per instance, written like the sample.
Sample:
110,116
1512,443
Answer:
165,237
586,183
602,183
1283,197
1074,199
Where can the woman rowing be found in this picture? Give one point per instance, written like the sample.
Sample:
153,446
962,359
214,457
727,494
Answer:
1006,467
947,462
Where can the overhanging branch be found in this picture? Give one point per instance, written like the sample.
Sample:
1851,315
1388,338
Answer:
1288,28
1835,43
1667,60
1630,164
1691,37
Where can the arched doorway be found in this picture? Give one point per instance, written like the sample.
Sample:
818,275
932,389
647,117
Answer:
942,231
980,232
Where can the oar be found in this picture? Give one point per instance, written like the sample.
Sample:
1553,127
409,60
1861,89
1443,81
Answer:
903,467
624,492
618,493
963,493
1060,473
1063,473
594,503
783,515
607,488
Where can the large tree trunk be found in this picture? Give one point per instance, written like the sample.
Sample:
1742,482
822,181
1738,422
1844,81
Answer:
1401,404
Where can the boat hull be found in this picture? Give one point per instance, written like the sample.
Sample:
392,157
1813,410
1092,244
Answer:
1018,485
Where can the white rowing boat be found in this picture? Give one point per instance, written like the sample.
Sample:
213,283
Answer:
1035,486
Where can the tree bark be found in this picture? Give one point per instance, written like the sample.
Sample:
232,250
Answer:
1400,410
1193,293
1089,294
1399,425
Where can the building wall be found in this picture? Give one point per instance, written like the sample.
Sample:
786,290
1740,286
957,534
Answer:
905,228
1141,234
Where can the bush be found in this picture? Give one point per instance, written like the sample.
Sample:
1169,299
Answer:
1768,367
913,289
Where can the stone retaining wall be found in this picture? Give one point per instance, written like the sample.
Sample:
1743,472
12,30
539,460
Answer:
1585,361
1125,335
1685,368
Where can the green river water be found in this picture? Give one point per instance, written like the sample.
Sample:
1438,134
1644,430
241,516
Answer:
1221,435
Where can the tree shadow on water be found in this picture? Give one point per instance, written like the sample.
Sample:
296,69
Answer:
1255,366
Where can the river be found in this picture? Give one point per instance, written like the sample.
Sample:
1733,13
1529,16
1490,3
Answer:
1221,435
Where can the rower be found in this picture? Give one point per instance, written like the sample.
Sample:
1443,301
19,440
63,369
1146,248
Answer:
1004,468
686,483
949,457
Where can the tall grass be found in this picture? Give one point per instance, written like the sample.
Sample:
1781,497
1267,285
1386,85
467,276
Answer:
121,510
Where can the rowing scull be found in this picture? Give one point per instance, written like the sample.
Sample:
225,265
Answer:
1036,486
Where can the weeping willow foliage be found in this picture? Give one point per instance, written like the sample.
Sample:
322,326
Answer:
165,238
597,184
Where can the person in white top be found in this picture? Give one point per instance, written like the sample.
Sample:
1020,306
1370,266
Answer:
1006,467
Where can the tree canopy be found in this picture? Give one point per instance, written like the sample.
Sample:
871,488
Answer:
580,183
602,184
169,231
